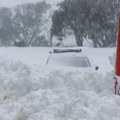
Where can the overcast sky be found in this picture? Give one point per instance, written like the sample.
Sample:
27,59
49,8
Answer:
11,3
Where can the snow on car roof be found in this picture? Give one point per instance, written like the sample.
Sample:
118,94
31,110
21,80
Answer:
66,50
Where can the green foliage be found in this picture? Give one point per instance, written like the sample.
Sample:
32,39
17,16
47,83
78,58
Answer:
87,18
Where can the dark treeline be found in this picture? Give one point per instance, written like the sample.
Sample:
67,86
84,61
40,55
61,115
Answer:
95,20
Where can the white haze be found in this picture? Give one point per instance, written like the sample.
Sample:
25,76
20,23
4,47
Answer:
11,3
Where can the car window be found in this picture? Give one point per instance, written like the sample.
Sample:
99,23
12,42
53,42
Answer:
70,61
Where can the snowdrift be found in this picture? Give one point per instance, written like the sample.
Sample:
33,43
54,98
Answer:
42,93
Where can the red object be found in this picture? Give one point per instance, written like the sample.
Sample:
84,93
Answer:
117,66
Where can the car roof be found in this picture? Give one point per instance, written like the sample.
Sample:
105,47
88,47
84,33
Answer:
69,52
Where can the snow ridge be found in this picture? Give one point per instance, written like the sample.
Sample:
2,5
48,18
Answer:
43,93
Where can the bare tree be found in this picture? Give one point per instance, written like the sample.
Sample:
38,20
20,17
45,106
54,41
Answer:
7,29
28,19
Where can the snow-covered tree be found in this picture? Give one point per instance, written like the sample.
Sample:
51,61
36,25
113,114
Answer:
28,20
7,28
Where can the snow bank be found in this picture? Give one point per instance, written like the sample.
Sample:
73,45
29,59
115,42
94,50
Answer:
42,93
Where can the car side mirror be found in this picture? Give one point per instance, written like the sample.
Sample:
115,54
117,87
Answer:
96,68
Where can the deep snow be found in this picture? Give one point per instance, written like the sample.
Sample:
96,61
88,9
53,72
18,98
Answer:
30,90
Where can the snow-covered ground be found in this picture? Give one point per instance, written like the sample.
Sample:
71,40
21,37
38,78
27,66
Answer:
39,56
30,90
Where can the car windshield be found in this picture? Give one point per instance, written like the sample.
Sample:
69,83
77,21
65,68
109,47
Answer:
69,61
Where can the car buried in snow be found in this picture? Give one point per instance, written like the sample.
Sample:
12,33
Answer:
74,58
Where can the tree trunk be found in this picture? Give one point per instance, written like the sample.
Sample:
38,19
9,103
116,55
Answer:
50,40
79,40
94,41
